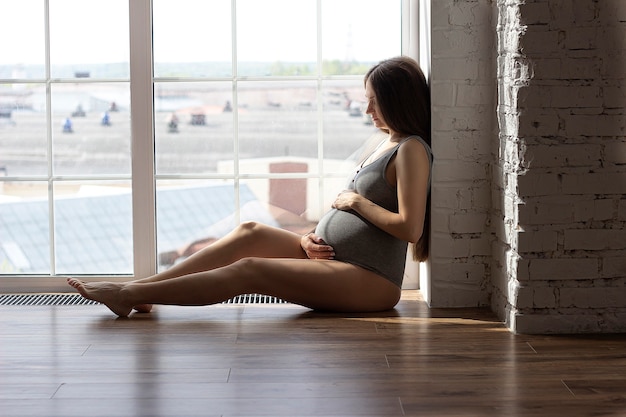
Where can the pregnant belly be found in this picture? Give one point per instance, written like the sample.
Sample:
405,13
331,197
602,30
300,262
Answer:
350,236
358,242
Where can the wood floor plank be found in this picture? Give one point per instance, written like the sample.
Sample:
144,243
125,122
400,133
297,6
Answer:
601,388
63,375
502,408
22,391
207,407
285,360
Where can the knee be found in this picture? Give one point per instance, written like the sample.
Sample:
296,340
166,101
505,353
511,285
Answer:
245,264
249,227
249,270
247,231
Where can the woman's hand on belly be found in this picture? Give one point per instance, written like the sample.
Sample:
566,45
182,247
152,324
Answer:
315,247
345,200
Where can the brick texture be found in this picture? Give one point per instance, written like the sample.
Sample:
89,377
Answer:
530,173
576,177
463,95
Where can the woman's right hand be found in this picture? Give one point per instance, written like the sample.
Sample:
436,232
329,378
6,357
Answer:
315,247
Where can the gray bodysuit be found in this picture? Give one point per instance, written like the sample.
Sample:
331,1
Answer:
356,240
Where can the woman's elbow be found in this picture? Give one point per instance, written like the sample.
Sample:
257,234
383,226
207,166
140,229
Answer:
415,234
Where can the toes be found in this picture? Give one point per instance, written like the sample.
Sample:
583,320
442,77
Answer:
72,282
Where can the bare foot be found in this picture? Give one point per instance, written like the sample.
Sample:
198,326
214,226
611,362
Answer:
143,308
107,293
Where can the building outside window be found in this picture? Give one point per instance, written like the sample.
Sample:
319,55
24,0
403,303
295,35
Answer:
134,133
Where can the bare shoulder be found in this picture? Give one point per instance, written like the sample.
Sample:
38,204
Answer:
413,150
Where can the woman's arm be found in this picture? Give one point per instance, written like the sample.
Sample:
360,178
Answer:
411,173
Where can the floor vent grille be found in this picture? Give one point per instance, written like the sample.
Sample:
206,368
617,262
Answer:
44,300
255,299
77,299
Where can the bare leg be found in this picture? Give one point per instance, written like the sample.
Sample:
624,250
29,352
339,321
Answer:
318,284
249,239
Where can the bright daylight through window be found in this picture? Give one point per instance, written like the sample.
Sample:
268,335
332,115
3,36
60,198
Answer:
256,114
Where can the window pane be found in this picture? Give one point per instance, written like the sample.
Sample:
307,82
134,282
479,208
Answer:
89,39
346,126
193,126
197,33
22,34
357,33
288,203
271,31
23,137
277,119
91,128
24,228
191,215
93,228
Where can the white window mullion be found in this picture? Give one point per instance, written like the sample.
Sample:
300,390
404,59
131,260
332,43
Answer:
50,188
320,111
422,26
416,44
142,130
416,32
235,97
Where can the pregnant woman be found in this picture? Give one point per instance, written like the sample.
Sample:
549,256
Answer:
354,260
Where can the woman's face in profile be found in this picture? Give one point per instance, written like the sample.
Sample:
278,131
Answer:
372,107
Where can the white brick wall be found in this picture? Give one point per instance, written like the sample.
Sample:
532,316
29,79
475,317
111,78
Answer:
529,134
463,125
570,137
577,50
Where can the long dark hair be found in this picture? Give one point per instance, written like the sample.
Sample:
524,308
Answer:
403,98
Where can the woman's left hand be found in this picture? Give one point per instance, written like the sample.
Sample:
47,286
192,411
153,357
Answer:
345,200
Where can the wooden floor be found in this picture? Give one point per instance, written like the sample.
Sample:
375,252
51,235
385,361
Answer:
283,360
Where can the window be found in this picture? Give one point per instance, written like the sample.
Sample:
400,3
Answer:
64,138
237,110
